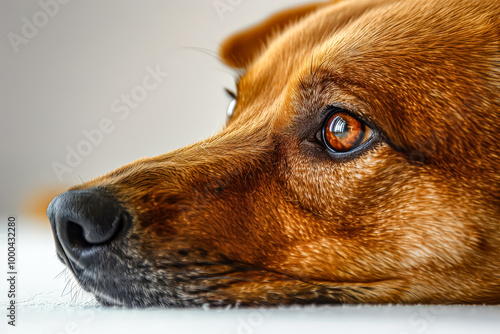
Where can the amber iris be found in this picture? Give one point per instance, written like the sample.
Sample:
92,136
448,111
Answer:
343,132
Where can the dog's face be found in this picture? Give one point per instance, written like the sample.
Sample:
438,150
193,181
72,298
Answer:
360,164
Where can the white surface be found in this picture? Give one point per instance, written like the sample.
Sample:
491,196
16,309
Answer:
51,302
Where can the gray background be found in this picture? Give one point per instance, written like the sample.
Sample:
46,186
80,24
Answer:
65,78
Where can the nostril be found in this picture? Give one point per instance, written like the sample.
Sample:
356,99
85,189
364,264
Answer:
75,236
83,221
85,235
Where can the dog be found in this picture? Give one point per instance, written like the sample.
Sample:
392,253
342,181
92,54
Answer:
359,164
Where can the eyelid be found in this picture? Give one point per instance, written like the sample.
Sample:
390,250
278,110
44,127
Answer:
337,107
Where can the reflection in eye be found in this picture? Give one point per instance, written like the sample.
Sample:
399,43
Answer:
232,103
230,108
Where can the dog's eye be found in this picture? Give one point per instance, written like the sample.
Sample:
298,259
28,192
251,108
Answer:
230,108
343,132
231,105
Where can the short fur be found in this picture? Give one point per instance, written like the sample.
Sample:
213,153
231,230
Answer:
261,214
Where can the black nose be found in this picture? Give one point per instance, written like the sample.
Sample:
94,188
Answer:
84,223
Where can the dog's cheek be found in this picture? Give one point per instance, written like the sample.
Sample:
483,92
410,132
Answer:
335,189
372,210
344,203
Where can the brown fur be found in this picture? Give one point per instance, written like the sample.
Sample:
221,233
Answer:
260,214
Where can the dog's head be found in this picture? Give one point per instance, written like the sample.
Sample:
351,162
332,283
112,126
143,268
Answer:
360,164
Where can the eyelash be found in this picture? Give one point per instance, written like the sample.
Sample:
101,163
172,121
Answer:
230,93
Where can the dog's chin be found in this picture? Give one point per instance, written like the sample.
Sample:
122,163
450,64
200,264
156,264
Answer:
140,295
127,301
121,278
149,291
159,288
116,291
109,301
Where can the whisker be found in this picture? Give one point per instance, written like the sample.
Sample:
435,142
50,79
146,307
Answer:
68,282
232,71
61,273
206,51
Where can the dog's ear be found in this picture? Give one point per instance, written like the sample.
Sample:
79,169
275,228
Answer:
240,49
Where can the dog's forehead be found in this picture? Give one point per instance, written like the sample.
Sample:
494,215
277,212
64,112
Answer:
407,64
